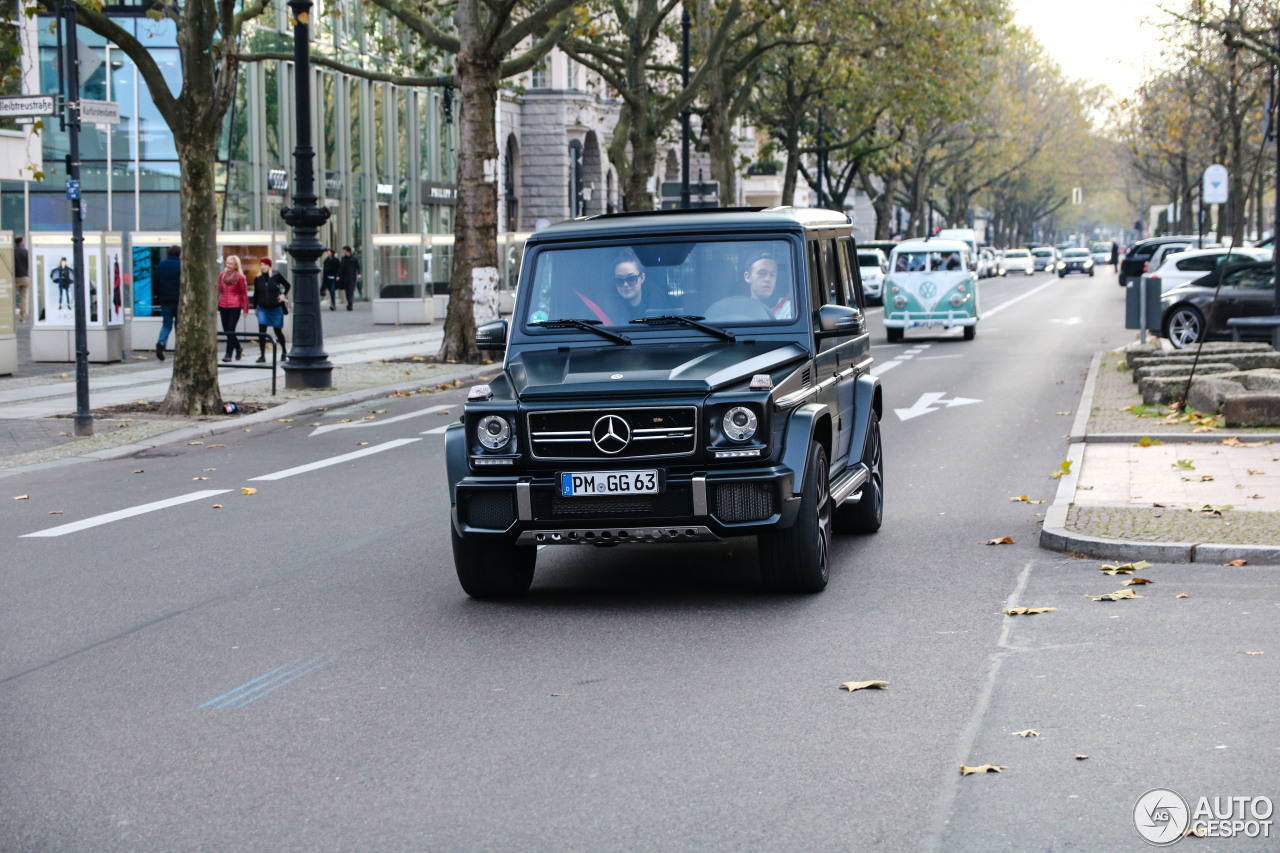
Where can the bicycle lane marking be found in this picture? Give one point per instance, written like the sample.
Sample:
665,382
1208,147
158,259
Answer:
107,518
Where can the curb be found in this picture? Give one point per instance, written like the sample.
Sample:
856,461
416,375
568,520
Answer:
270,414
1054,535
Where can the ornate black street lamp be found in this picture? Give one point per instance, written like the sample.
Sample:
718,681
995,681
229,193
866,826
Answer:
308,364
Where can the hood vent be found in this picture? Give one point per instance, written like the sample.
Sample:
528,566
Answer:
806,378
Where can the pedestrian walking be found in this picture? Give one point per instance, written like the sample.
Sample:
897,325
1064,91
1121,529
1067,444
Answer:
329,278
1115,255
21,276
233,297
165,282
269,291
61,276
349,274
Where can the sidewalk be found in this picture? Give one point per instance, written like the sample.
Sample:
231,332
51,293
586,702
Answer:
1140,488
369,361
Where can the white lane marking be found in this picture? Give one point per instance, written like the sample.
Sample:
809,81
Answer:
436,431
1015,300
336,460
356,424
905,355
1069,321
64,529
925,405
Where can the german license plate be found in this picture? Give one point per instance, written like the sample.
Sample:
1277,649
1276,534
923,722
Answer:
581,484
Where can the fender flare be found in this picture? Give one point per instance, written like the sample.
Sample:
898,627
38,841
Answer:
455,458
801,427
867,397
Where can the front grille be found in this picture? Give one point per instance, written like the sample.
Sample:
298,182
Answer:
675,502
733,503
650,432
489,509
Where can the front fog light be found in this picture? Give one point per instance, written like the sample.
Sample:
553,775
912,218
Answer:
739,423
494,432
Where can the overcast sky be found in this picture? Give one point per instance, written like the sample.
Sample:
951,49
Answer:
1104,41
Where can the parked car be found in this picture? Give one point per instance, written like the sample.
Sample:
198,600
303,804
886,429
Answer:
988,266
872,266
1044,258
1017,260
1137,261
673,376
1189,265
1199,310
1076,260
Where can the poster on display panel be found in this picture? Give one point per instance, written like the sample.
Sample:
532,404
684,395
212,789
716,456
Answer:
53,283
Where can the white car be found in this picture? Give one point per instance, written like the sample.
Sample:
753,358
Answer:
872,264
1044,258
1017,260
1180,267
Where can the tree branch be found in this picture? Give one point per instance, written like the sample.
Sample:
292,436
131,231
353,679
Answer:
354,71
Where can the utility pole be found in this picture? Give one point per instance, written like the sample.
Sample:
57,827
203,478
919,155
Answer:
83,417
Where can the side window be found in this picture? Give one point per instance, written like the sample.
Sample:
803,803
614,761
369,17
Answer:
852,274
1255,279
1205,263
831,279
817,289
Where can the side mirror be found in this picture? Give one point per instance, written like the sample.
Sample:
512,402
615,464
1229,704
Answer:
492,336
839,320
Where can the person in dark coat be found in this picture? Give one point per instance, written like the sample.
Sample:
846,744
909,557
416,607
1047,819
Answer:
1115,255
61,276
269,290
22,277
349,274
165,282
329,276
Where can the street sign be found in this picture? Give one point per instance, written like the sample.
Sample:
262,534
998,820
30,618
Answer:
1077,195
99,112
12,106
1215,185
73,189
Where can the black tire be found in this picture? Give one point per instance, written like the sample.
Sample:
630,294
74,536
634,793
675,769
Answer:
970,332
798,559
1183,326
1062,275
1090,273
493,569
868,513
894,336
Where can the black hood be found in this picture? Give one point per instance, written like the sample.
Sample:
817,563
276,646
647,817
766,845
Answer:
644,368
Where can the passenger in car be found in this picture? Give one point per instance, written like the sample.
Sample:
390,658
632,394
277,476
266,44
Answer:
761,276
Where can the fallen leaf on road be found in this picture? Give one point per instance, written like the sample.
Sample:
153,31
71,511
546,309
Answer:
139,471
1080,757
1206,478
1256,471
1184,464
249,491
982,768
208,469
59,512
1004,541
1235,441
345,421
361,443
1134,581
1237,562
1066,413
1251,652
864,685
1123,568
212,446
199,478
443,412
217,506
1210,511
369,418
1114,596
316,423
1181,595
383,412
62,433
1063,470
1257,497
1148,441
195,442
1026,500
1028,611
22,498
1026,733
286,420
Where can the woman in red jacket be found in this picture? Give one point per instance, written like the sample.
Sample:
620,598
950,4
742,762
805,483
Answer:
233,297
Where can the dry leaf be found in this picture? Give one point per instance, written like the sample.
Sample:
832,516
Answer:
1206,478
316,423
345,421
1237,562
443,412
1026,500
199,478
1003,541
212,446
361,443
1257,497
1256,471
249,491
383,412
138,471
59,512
1181,595
22,498
62,433
217,506
982,768
1252,652
1026,733
864,685
1235,441
1123,568
195,442
1028,611
1134,581
1080,757
1115,596
208,469
368,418
286,420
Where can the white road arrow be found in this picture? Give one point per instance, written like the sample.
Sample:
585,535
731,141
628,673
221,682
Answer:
1070,321
925,405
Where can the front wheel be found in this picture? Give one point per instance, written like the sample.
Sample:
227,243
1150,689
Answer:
867,514
970,332
798,559
893,335
1184,326
492,569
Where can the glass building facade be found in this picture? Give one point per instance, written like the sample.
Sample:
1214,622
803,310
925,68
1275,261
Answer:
385,154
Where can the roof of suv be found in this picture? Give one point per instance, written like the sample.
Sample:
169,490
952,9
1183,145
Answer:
694,221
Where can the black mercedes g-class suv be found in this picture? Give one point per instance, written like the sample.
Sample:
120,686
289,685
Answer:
673,377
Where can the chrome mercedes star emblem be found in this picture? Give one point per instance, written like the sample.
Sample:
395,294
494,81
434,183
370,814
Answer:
616,376
611,434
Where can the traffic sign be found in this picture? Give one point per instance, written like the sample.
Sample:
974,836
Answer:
13,106
99,112
73,189
1215,185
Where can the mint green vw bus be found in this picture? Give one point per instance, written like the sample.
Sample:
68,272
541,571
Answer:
931,285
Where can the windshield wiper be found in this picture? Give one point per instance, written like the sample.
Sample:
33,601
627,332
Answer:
686,320
586,326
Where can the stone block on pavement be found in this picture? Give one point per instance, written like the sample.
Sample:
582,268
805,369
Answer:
1141,351
1252,408
1267,379
1181,370
1207,393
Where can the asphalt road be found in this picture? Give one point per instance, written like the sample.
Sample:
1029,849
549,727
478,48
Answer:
299,670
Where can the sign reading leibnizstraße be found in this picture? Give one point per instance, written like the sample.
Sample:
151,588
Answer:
12,106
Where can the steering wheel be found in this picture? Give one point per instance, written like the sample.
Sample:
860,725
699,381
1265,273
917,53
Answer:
738,309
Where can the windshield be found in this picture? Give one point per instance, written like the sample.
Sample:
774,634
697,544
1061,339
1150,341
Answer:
868,259
1043,253
1076,253
927,261
1015,253
723,281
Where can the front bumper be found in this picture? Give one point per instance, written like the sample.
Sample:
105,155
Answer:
693,506
873,288
924,320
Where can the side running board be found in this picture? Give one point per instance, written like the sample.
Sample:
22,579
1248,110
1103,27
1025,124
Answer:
850,481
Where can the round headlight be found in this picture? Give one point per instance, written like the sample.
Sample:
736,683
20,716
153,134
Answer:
739,423
899,301
493,432
957,300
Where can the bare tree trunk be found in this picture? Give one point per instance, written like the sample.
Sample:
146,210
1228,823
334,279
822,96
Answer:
473,280
644,163
718,125
193,388
883,206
